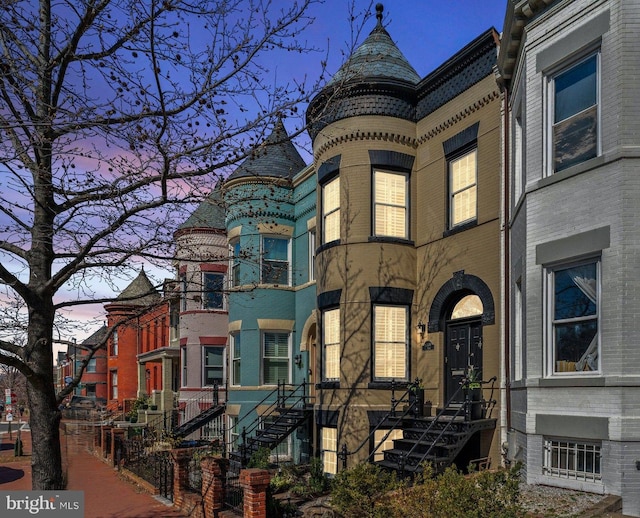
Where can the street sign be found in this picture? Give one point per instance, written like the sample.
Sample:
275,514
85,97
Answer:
9,417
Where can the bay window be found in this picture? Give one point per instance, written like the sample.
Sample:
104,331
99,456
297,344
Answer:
275,357
236,353
331,338
212,290
213,366
573,317
390,343
275,260
574,113
331,211
390,202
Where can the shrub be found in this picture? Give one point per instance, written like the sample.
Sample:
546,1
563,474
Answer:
487,494
360,492
260,459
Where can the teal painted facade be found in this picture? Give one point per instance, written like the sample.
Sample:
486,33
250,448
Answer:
271,307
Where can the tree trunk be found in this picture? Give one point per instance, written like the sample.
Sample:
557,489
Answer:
44,415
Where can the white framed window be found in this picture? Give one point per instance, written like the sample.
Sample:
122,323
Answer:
312,255
212,290
331,211
463,206
572,460
518,332
385,444
390,343
114,384
236,354
518,156
331,338
276,348
275,260
282,452
234,432
573,315
183,291
573,113
213,366
329,449
234,250
114,343
390,204
183,360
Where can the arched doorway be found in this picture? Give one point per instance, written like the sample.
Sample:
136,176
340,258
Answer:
463,338
460,309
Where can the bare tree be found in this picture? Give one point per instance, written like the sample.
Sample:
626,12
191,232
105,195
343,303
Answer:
113,114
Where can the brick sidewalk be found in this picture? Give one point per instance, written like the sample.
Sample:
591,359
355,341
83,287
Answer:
106,494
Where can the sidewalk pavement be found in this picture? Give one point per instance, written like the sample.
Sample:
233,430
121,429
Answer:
106,493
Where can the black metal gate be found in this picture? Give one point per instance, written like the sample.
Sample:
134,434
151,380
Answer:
164,474
234,494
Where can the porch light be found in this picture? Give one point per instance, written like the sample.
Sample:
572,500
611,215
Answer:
422,328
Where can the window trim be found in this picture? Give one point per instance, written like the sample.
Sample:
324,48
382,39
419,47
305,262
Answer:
114,343
312,254
205,365
549,102
92,366
549,297
263,334
325,378
335,211
451,159
407,344
235,338
205,292
263,260
184,370
234,253
329,456
375,203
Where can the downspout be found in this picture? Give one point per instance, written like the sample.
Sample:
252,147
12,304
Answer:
506,259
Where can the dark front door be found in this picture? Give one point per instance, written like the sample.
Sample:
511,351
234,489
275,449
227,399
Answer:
464,348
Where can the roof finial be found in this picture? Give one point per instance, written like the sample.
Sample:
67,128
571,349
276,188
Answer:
379,9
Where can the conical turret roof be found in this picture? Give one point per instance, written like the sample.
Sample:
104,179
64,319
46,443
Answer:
140,292
377,57
209,214
276,157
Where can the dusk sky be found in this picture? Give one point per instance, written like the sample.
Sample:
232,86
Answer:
426,32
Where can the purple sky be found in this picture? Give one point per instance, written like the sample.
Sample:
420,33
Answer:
426,32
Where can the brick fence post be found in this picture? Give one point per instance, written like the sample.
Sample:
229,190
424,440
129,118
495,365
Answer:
214,472
254,482
114,453
180,458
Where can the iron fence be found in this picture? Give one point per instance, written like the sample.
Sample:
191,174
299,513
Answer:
142,458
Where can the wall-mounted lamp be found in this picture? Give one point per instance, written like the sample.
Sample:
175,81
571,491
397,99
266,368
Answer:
297,359
422,328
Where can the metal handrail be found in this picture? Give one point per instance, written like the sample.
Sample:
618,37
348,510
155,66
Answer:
281,401
465,407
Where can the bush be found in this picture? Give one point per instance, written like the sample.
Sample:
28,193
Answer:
361,492
487,494
260,459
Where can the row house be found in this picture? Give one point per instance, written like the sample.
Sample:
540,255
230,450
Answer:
569,70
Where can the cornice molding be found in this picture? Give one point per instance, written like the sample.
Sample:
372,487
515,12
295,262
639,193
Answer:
358,135
405,140
456,118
